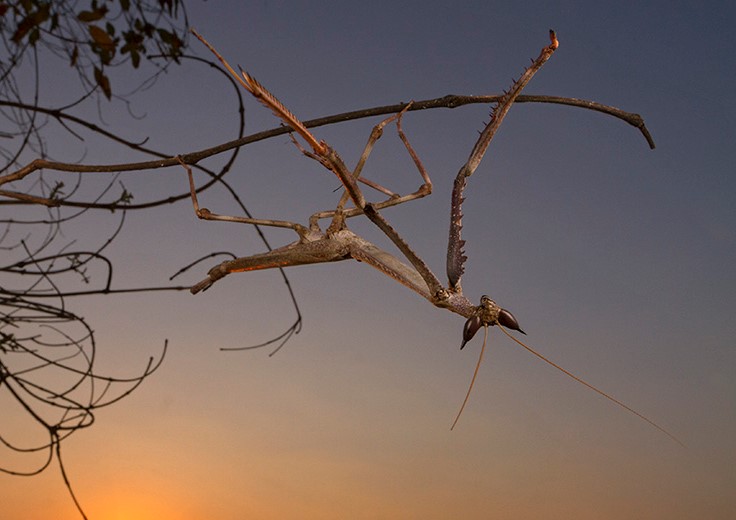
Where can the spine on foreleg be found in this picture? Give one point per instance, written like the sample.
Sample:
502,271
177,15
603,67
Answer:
455,255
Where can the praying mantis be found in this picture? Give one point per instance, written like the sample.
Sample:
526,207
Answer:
337,242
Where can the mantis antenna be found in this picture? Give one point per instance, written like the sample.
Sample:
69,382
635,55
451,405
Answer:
568,374
472,381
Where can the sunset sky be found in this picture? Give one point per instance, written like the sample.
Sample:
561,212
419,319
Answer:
618,261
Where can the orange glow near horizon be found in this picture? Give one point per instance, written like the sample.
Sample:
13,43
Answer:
135,501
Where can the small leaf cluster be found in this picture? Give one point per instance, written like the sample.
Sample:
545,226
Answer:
96,35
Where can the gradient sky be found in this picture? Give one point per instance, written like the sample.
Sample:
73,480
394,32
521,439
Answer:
618,261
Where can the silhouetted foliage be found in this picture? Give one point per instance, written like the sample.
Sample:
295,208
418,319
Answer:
93,38
48,353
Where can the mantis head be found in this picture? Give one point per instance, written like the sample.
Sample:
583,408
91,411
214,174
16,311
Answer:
488,313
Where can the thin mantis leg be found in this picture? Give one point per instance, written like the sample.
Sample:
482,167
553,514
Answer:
376,133
206,214
426,187
395,199
455,255
340,213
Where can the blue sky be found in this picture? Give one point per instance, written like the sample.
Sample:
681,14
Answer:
617,260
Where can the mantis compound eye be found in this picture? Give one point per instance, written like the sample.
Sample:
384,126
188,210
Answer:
507,319
471,327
